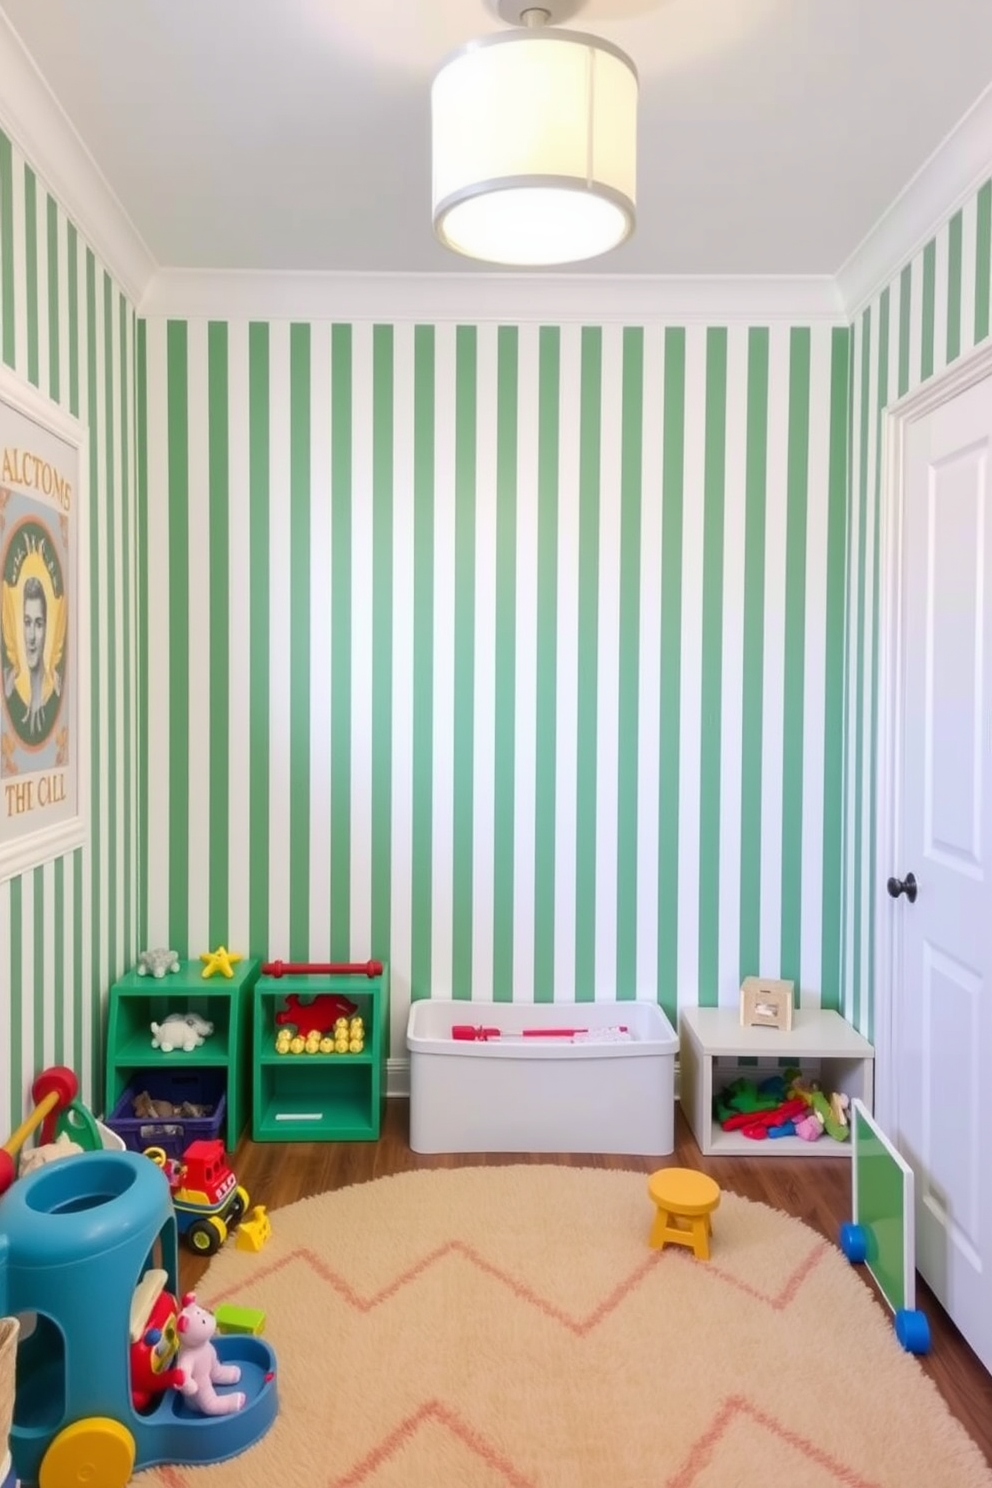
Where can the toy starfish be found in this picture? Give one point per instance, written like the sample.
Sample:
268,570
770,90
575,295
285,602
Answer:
221,960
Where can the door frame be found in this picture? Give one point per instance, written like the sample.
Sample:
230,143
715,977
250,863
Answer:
962,374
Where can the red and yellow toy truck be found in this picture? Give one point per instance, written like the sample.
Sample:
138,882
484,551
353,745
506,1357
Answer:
208,1200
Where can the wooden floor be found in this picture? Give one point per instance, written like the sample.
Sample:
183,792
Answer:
815,1190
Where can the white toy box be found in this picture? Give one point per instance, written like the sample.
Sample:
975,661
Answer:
516,1093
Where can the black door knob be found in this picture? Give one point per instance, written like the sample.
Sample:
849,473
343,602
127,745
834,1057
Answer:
907,886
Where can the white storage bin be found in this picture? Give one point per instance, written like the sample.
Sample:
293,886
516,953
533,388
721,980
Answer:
541,1094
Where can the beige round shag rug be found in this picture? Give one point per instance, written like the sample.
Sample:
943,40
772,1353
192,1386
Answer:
510,1328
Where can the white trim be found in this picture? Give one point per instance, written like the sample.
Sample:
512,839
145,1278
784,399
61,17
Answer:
34,849
474,297
36,122
34,119
887,945
944,182
936,391
397,1079
962,374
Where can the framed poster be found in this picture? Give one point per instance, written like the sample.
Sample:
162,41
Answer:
44,644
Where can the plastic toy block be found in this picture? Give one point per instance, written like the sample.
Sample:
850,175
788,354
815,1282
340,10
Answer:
231,1319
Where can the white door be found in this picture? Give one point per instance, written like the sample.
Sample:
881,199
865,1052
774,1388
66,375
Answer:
942,1002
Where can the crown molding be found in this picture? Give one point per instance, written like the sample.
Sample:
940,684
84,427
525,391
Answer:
36,122
474,298
946,180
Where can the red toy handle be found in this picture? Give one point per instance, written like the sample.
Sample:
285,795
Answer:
322,968
469,1032
53,1091
554,1032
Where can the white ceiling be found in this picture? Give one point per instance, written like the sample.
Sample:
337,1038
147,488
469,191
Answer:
295,134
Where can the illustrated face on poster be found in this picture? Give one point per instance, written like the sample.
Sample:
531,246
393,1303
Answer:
38,696
34,619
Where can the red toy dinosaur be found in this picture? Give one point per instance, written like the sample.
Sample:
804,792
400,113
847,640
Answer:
317,1016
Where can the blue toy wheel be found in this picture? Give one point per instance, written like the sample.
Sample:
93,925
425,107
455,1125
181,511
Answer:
913,1330
854,1243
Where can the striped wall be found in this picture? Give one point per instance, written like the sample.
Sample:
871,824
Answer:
512,655
542,662
537,718
932,312
523,667
68,927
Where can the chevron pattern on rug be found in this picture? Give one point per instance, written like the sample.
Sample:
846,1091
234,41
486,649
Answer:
508,1327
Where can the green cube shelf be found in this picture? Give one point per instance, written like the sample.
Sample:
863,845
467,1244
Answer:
138,1001
319,1097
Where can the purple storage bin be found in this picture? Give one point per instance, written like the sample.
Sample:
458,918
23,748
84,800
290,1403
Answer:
172,1133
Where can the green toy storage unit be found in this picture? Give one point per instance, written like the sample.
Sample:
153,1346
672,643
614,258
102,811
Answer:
319,1097
217,1072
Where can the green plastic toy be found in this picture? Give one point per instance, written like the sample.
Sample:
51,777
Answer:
231,1319
79,1124
825,1110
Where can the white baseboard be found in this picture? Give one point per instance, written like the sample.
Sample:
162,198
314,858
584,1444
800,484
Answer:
398,1079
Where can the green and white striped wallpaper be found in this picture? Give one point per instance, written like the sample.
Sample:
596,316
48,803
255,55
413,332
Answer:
932,312
512,655
540,661
69,927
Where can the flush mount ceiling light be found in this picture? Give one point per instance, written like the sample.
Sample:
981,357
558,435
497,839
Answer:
535,142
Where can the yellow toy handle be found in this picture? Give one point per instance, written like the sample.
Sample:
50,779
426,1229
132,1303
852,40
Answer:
16,1140
53,1090
158,1155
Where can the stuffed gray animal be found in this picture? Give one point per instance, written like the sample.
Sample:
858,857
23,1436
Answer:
157,963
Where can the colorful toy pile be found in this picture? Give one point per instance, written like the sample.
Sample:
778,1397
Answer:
115,1372
782,1105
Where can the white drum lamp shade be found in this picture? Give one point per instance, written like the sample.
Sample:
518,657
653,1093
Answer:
535,148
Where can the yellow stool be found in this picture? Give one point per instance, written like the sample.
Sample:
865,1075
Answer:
685,1200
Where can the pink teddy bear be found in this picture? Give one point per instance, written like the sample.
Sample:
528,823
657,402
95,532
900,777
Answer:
198,1360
